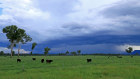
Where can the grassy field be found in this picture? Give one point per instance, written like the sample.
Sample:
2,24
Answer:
70,67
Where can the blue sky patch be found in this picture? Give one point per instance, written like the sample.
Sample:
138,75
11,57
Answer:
0,11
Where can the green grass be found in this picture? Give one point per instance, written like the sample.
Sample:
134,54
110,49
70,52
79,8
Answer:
70,67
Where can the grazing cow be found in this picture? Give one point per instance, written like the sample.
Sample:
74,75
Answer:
119,56
33,58
42,60
49,61
18,60
89,60
108,56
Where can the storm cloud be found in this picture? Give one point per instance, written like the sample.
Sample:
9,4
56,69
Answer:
74,23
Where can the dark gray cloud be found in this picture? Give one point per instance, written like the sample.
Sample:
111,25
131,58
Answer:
93,33
90,43
123,8
124,16
89,49
75,27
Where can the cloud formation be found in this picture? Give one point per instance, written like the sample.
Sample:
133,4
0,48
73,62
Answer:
6,50
123,47
49,20
52,19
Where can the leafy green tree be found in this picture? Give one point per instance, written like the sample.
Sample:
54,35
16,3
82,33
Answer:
12,34
33,46
22,39
78,51
137,53
1,53
73,53
16,36
46,50
13,53
129,50
67,52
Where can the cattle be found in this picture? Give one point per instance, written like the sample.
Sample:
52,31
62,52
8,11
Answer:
108,56
18,60
33,58
49,61
119,56
42,60
89,60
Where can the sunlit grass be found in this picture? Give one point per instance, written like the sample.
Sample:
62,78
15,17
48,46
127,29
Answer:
70,67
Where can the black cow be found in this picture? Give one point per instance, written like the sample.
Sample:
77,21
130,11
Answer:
33,58
18,60
42,60
49,61
108,56
119,56
89,60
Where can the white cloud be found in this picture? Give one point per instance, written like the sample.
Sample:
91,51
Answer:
6,50
23,9
123,47
21,12
44,20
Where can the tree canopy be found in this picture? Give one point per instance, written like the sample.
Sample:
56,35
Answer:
79,51
15,35
33,46
129,50
46,50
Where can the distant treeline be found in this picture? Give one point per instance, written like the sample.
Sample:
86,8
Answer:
60,54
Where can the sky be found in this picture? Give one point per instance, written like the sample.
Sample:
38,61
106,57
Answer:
92,26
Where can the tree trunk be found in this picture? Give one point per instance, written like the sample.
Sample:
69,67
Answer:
12,50
31,52
19,49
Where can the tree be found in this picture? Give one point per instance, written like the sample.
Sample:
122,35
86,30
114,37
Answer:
13,53
129,50
16,36
67,52
33,46
1,53
12,34
22,39
46,50
137,53
78,51
73,53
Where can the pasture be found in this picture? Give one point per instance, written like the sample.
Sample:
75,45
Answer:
70,67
